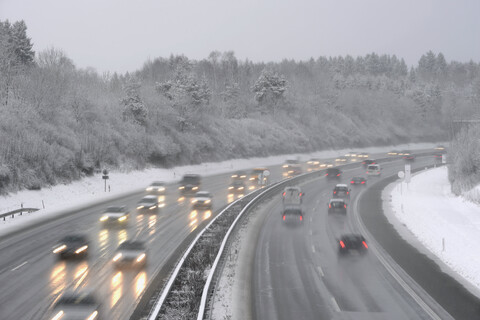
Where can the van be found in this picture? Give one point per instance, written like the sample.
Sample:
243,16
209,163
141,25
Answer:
374,170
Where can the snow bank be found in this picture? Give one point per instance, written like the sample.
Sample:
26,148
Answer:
447,225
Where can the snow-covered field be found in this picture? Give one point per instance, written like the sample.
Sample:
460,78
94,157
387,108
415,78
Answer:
55,200
447,225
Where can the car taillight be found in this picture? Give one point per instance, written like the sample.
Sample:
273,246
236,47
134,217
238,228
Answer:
326,174
342,244
352,182
345,206
301,218
365,244
363,182
329,206
283,218
300,194
334,192
348,192
284,194
338,175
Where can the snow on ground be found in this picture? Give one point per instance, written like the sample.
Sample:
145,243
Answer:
55,200
447,225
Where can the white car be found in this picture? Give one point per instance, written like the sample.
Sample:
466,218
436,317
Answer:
374,170
115,215
130,253
157,187
202,200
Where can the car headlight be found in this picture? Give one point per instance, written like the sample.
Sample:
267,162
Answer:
104,218
122,218
234,176
117,257
194,200
195,188
241,188
140,207
208,201
161,189
285,166
181,188
93,315
81,249
152,207
141,257
251,179
251,187
149,189
60,248
59,315
161,205
243,177
230,188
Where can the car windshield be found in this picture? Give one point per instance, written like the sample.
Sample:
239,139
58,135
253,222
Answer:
203,194
127,245
148,200
115,209
157,184
337,204
74,238
77,300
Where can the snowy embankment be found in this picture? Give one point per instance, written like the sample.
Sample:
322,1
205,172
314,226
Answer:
447,225
55,200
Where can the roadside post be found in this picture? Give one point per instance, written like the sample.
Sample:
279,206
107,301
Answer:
401,175
105,178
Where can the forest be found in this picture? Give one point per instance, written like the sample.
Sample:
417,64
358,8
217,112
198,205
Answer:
59,123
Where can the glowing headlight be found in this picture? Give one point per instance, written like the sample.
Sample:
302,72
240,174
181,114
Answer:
58,316
241,188
122,218
117,257
151,208
234,176
230,188
149,189
161,205
161,188
194,200
251,188
93,315
309,162
285,166
195,188
181,188
141,257
81,249
208,201
140,207
251,179
60,249
243,177
104,218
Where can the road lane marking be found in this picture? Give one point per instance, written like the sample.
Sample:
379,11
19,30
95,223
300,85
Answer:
320,271
19,266
311,232
311,219
313,248
335,305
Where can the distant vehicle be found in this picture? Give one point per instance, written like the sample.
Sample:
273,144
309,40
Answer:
149,204
326,164
333,173
239,176
367,162
405,153
337,205
393,153
438,157
202,200
130,253
409,157
350,242
358,181
72,246
115,215
352,155
313,164
374,170
341,191
76,305
292,211
237,187
190,184
341,160
292,168
292,195
258,178
363,155
156,187
440,148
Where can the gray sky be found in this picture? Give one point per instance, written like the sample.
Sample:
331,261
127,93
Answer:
120,35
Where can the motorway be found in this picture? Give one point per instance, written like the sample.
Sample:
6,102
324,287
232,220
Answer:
32,278
298,274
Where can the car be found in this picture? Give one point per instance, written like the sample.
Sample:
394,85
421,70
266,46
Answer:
292,212
367,162
358,181
130,254
333,173
313,164
72,246
149,203
374,170
352,155
340,160
405,153
237,187
292,168
76,305
440,148
348,242
409,157
239,176
115,216
341,191
337,205
363,155
438,157
258,178
202,200
190,184
156,187
292,195
393,153
326,164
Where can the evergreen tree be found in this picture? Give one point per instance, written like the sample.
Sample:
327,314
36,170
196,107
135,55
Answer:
133,107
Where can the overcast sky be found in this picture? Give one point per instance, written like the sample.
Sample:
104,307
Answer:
120,35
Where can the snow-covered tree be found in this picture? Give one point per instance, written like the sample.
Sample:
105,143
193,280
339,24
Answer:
133,107
270,89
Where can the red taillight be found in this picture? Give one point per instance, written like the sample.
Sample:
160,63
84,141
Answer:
301,218
352,182
284,194
345,206
329,206
342,244
338,175
334,192
363,182
365,244
348,192
283,218
326,174
300,194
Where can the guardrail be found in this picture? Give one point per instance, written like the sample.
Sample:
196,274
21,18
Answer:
20,211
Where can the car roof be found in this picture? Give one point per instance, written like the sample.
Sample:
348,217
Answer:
75,237
337,200
158,183
203,194
352,236
132,245
341,185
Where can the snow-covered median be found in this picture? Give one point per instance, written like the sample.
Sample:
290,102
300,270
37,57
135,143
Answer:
447,225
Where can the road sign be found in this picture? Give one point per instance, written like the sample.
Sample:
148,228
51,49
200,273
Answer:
444,158
266,173
401,174
408,173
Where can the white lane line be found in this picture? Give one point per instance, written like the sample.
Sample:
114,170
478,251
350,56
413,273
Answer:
311,232
19,266
335,305
313,248
320,271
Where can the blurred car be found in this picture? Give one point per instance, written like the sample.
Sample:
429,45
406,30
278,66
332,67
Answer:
76,305
130,254
363,155
438,157
337,205
326,164
358,181
351,154
72,246
440,148
350,242
202,200
333,173
292,212
341,191
341,160
374,170
367,162
393,153
409,157
405,153
156,187
313,164
190,184
239,176
292,195
292,168
149,203
258,178
115,216
237,187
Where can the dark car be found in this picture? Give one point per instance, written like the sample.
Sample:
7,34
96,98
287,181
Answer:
292,212
76,305
358,181
409,157
333,173
237,187
72,246
117,216
241,176
130,254
341,191
352,242
337,205
438,157
367,162
190,184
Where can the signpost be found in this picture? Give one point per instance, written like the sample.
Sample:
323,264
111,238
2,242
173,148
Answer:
401,175
408,173
105,178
